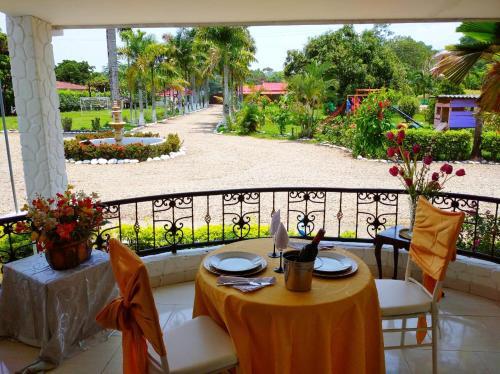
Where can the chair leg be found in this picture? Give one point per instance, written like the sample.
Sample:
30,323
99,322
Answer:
403,332
435,322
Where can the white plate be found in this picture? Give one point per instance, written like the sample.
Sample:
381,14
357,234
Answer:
211,269
332,263
235,262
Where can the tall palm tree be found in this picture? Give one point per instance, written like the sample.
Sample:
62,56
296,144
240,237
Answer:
481,41
229,40
136,44
113,64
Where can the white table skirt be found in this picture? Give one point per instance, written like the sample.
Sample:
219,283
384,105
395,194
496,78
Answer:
54,310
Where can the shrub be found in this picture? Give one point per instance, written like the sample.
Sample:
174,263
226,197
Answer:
490,145
372,122
80,151
111,134
67,123
442,145
429,112
339,131
95,124
409,105
248,119
70,100
491,121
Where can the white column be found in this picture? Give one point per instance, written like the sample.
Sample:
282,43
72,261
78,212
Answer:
37,105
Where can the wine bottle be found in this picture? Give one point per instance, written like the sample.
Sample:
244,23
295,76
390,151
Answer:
310,251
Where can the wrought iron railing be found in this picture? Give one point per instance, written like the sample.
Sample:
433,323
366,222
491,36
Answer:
171,222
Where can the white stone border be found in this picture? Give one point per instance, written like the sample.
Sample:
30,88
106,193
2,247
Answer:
347,150
114,161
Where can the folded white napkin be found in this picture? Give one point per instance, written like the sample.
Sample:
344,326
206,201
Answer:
281,237
245,284
275,222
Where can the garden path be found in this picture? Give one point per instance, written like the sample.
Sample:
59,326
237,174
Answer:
217,161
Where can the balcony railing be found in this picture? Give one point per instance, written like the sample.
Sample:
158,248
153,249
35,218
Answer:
171,222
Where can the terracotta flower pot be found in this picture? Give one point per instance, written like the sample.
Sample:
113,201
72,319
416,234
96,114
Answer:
68,256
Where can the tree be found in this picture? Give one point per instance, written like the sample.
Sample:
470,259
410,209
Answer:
352,60
481,42
136,43
230,42
309,90
5,75
113,64
78,72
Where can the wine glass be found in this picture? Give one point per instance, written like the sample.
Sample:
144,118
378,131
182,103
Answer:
281,242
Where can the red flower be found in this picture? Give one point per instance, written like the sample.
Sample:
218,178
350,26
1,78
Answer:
427,160
380,104
416,148
64,230
435,176
401,136
447,168
394,171
409,182
390,135
21,227
391,152
406,155
460,173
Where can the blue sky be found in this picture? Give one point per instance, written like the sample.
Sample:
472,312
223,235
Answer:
272,41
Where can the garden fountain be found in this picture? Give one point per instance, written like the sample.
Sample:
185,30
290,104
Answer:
117,124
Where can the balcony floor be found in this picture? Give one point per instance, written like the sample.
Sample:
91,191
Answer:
469,343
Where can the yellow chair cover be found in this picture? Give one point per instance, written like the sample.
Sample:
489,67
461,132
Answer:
433,245
134,312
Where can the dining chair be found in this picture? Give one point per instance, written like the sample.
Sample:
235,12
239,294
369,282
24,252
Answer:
197,346
432,247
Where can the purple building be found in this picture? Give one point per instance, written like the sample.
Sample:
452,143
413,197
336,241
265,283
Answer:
455,111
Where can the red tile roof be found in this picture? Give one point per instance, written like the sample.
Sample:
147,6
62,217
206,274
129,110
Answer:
70,86
267,88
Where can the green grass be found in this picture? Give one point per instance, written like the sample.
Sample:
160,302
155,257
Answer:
81,120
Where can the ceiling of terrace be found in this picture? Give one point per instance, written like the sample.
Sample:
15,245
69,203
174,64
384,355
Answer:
101,13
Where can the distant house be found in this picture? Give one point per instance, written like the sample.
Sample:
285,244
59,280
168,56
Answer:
455,111
271,89
70,86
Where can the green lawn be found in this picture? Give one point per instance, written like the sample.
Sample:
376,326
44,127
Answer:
81,120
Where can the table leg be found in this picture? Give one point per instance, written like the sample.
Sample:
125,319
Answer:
396,258
378,257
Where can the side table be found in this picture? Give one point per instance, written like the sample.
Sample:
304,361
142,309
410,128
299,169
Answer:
390,236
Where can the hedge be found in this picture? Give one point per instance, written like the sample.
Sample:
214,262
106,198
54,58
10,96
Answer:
79,151
442,145
70,100
490,145
111,134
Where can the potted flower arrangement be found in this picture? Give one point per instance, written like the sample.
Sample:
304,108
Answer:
62,226
416,177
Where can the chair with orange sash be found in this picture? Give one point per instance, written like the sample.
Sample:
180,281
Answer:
197,346
432,247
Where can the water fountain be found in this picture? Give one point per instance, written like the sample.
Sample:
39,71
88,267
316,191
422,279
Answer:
117,124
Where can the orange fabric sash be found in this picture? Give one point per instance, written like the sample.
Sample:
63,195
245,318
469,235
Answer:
134,312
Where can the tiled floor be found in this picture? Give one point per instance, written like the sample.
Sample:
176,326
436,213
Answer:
469,343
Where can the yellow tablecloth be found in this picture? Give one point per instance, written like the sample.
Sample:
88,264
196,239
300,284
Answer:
334,328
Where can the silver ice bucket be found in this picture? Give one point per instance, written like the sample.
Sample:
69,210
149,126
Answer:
298,275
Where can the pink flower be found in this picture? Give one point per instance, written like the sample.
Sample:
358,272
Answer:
401,136
391,152
416,148
427,160
460,173
447,168
409,182
390,135
435,176
394,171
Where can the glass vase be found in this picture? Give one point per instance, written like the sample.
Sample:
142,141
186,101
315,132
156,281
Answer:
412,200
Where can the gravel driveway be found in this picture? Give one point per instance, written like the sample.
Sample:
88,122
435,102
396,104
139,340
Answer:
218,162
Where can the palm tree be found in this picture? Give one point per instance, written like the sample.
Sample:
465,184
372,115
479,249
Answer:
112,64
229,41
309,91
481,41
136,44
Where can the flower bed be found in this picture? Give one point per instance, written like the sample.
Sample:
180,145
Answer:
77,151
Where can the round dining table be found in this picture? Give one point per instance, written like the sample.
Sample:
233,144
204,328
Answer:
333,328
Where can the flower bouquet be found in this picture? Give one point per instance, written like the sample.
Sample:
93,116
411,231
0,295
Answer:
414,176
62,226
